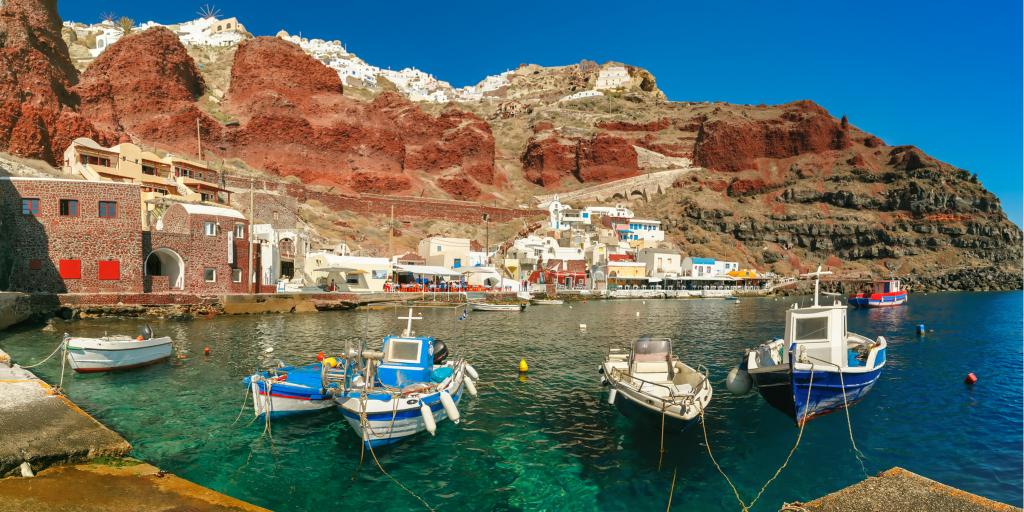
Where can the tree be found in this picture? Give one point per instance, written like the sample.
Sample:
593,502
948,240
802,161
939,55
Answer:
125,24
844,122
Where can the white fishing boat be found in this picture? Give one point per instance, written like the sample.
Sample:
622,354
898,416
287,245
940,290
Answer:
402,390
86,355
487,306
647,380
547,302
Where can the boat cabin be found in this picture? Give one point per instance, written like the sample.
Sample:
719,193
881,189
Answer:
886,286
817,334
407,360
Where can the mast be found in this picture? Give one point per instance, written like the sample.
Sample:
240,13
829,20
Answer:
817,281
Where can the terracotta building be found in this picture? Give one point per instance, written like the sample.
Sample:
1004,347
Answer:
70,236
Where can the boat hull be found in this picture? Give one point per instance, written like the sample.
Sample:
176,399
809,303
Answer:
392,425
92,356
300,393
498,307
878,300
787,390
628,407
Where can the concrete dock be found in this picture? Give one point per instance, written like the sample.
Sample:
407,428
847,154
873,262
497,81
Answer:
79,463
42,427
112,485
898,490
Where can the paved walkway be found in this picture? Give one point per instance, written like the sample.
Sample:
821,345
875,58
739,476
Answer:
898,490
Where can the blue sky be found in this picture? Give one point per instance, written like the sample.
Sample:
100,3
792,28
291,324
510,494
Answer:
945,76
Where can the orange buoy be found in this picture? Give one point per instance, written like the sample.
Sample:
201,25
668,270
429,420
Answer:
206,351
320,356
971,378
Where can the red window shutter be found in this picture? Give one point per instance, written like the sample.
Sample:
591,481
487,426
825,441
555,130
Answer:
70,269
110,270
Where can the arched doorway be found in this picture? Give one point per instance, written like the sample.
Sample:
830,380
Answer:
165,262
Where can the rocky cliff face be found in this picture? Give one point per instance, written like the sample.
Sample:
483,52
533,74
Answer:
37,106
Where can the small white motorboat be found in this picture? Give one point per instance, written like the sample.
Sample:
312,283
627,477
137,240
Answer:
86,355
547,302
486,306
648,381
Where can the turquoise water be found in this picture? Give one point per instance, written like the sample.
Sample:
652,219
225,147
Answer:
549,441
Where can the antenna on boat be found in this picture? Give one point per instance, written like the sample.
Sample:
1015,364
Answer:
410,318
817,281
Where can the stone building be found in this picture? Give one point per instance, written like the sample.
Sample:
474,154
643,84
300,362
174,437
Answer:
70,236
197,248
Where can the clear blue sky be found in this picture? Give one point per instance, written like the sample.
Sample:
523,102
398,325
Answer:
942,75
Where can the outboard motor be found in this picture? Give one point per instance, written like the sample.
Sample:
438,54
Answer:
440,352
146,332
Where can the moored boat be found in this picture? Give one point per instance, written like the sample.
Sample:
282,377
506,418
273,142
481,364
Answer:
291,389
817,367
884,293
87,355
647,380
487,306
407,387
547,302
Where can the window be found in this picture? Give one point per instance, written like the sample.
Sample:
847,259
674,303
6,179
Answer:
210,228
811,328
457,263
30,206
210,275
110,270
149,170
379,274
86,159
439,248
352,279
236,275
69,207
404,351
70,269
108,209
240,231
35,264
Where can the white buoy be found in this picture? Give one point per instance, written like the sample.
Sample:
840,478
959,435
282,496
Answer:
428,418
268,349
583,327
472,371
449,407
611,396
738,381
470,386
638,314
26,470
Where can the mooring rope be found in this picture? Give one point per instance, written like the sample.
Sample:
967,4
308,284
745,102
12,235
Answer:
62,344
707,443
849,423
245,399
672,490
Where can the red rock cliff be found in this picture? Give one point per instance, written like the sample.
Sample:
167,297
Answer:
37,116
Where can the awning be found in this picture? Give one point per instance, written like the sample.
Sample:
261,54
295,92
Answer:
479,270
427,270
346,270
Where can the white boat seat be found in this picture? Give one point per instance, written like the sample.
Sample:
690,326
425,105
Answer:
650,367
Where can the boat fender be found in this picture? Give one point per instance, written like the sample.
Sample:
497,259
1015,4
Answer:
331,362
470,386
449,407
738,381
428,418
611,396
472,371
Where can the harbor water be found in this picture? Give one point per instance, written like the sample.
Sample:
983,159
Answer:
548,440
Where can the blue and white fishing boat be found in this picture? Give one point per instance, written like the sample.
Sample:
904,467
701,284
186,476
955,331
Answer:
407,387
817,367
292,389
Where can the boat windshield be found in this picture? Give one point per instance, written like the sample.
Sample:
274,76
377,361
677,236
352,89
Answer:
652,349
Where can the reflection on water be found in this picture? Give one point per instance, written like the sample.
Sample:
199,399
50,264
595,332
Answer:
547,439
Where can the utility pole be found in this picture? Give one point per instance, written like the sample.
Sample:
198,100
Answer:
487,239
253,276
199,140
391,228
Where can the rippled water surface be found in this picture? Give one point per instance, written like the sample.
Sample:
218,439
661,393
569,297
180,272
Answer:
549,441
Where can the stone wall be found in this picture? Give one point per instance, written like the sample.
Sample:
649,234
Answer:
33,246
404,207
